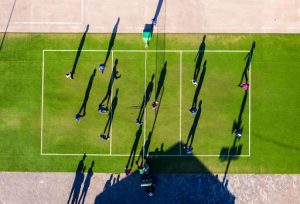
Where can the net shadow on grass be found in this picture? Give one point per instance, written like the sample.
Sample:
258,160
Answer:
112,40
248,62
114,76
78,180
79,51
177,184
198,89
7,25
82,110
199,58
106,131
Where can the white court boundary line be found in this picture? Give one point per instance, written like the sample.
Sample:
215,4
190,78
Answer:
145,51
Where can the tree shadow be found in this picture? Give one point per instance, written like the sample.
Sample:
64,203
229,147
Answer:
133,149
194,126
161,80
112,40
79,51
176,185
87,94
106,132
237,125
197,91
248,62
114,75
146,99
7,25
87,183
79,177
199,58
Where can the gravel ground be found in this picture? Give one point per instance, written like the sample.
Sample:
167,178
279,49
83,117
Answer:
170,188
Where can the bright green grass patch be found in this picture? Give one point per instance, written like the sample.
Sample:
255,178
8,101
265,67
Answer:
275,123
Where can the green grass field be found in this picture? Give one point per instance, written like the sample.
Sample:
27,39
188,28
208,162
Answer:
272,147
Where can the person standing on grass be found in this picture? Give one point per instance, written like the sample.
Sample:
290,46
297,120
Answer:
69,75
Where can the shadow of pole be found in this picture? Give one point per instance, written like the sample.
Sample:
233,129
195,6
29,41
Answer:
7,25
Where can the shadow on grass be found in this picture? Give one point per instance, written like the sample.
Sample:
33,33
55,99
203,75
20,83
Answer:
194,126
146,99
7,25
237,125
82,110
106,131
248,62
161,80
112,40
174,187
79,51
114,75
199,58
198,89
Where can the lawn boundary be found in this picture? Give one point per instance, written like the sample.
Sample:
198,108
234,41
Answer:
180,67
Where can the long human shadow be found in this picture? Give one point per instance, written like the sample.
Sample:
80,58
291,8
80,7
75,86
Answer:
194,126
79,50
229,154
248,62
111,115
114,75
87,183
7,25
197,91
145,148
146,99
79,177
199,58
112,40
130,161
87,94
237,125
161,80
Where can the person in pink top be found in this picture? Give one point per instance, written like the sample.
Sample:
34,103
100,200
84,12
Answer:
245,86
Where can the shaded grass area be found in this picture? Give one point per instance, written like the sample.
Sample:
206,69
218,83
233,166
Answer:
275,145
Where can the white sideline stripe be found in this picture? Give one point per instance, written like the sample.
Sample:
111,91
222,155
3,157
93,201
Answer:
136,155
180,90
250,106
144,106
42,106
111,94
146,50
